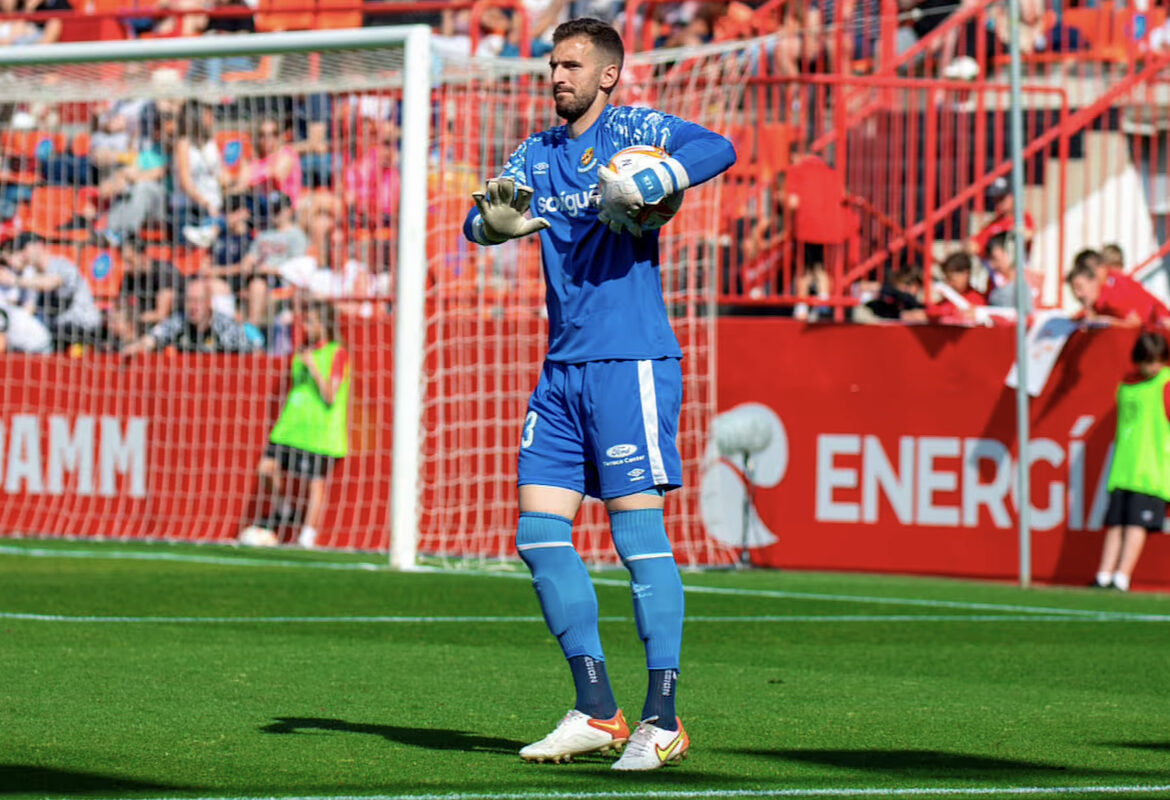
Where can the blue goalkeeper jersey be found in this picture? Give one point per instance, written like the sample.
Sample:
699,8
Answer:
604,290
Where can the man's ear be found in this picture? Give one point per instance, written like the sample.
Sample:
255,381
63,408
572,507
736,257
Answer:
609,77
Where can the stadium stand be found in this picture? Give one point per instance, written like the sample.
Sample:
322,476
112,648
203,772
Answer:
903,110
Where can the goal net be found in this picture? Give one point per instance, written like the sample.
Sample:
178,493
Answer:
248,182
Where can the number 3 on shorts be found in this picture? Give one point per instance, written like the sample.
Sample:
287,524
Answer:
529,430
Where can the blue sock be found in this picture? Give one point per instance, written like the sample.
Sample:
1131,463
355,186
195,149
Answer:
640,539
562,583
660,699
594,695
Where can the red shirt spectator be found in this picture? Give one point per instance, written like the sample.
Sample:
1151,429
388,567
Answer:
1122,297
957,280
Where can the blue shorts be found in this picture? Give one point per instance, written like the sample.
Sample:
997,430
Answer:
604,428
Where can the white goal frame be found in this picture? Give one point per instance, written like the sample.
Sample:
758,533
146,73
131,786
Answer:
409,303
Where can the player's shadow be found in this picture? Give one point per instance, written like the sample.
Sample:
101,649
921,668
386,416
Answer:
1163,747
27,779
929,763
429,738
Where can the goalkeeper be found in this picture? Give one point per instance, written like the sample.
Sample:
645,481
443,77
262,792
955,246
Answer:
312,431
603,417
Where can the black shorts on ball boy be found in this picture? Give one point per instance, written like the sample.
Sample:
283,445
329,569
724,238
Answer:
299,462
1135,509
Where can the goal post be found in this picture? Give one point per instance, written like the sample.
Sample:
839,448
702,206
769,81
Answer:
63,77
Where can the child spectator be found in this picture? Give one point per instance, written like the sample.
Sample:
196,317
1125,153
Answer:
1112,297
898,300
1001,257
1113,257
261,266
225,270
1139,477
312,431
959,299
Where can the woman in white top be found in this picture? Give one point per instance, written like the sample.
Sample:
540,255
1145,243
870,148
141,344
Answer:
199,177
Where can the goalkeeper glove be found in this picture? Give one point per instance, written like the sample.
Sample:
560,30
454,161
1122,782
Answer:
501,211
619,221
628,194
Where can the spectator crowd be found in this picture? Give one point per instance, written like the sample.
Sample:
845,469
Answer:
194,225
171,221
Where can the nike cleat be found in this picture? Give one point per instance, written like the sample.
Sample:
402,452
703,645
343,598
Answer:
650,747
578,734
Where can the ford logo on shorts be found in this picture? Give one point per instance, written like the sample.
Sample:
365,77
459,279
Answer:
621,450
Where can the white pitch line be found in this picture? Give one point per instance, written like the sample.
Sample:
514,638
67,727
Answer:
236,561
716,794
21,616
689,588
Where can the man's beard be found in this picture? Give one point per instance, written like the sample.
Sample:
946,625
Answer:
571,107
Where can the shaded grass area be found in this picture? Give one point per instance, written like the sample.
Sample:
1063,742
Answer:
284,708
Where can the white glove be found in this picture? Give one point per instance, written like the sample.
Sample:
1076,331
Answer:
628,194
502,211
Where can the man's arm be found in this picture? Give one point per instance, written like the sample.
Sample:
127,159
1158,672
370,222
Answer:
161,335
40,283
695,155
328,387
231,335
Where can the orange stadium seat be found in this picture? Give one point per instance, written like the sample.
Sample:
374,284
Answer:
187,260
270,19
80,145
338,19
49,208
102,268
23,149
235,149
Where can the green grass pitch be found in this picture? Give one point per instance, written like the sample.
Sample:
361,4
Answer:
160,671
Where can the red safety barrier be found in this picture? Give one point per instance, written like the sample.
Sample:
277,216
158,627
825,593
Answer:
869,474
898,445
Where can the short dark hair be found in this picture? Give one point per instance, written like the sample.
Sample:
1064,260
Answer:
1085,265
603,35
1088,257
1149,348
1081,270
24,239
905,274
956,262
1113,254
327,313
1003,241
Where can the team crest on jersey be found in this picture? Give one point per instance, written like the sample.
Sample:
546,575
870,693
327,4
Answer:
587,160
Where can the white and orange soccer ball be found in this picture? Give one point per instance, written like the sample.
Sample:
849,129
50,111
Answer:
637,157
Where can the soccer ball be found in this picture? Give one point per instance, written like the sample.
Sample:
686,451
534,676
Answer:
638,157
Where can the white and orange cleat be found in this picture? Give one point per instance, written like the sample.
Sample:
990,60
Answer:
650,747
578,734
